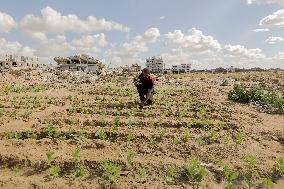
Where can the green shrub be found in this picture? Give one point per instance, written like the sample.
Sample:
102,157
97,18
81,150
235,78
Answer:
264,98
239,94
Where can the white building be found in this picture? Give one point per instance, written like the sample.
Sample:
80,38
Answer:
182,68
155,65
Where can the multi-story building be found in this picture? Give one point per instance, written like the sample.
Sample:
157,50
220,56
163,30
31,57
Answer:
10,61
182,68
155,65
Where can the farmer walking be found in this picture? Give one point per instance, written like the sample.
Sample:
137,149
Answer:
145,87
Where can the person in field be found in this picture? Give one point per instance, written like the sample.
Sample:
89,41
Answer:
145,88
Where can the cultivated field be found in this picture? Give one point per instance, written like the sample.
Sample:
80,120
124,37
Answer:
61,135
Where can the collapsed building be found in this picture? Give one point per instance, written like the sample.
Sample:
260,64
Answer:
82,62
132,68
12,61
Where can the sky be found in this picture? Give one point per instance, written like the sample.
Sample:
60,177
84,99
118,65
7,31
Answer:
204,33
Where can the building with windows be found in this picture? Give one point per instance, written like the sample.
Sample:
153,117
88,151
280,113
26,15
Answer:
182,68
155,65
12,61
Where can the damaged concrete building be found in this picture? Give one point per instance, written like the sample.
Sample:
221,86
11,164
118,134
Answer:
82,62
155,64
131,68
12,61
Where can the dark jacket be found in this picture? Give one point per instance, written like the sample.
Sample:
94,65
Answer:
147,83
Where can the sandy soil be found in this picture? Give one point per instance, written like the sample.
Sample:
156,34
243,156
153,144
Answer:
60,117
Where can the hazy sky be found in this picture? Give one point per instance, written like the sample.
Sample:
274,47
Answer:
206,33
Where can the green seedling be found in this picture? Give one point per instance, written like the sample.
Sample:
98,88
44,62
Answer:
130,157
230,176
207,123
195,173
130,137
81,136
170,174
18,136
13,115
225,140
16,169
179,120
52,131
54,171
2,113
192,123
176,140
112,172
250,164
160,121
213,135
238,138
76,155
27,115
201,112
187,137
101,134
200,141
142,175
183,114
268,183
71,111
33,136
279,167
163,133
49,157
152,140
79,174
220,125
115,124
70,134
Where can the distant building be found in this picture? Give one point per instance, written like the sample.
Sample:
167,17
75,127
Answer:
12,61
182,68
231,69
132,68
135,68
155,65
167,71
117,70
82,62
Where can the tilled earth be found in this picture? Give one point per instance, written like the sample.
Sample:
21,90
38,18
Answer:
191,118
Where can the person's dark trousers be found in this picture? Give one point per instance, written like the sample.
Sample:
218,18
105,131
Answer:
142,92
